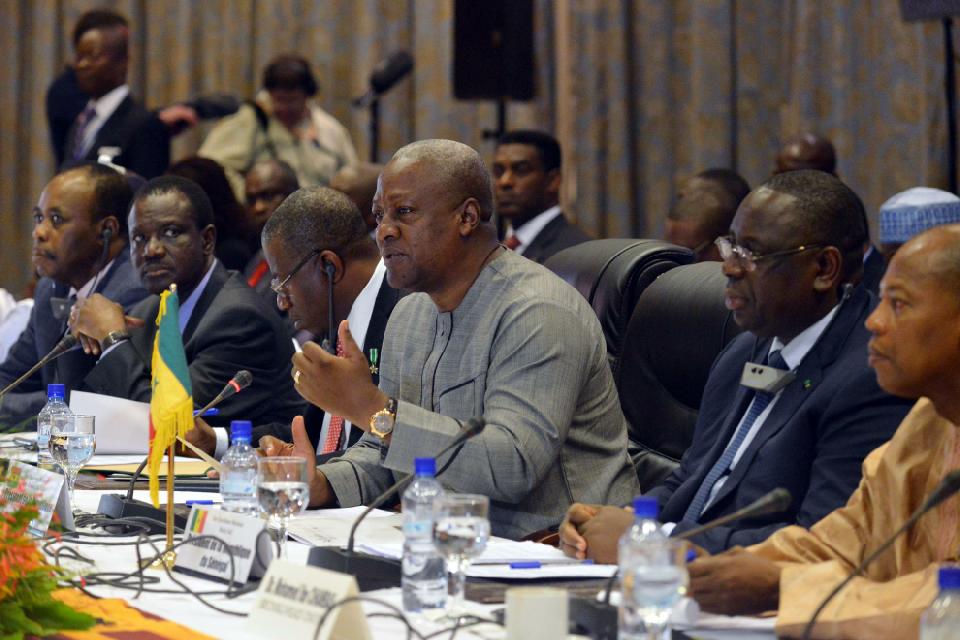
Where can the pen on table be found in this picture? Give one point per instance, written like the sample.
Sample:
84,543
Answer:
209,412
535,564
193,502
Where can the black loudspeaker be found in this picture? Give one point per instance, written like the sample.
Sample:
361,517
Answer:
493,49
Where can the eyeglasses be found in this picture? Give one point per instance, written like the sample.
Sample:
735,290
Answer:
280,286
747,259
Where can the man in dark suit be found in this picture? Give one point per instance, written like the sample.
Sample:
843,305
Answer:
794,248
79,248
526,180
225,325
317,236
113,123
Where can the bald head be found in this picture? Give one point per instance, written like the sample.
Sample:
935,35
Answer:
808,151
458,170
937,252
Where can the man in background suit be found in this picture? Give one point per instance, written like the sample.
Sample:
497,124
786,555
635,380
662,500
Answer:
703,211
112,118
317,236
794,247
526,180
225,325
79,248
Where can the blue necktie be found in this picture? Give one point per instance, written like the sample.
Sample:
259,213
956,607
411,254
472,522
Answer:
760,401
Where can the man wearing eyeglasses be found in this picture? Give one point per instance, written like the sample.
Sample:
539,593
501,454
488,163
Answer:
809,418
317,236
224,324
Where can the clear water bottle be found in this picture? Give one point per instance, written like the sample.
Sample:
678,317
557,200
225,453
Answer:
238,481
55,416
941,621
424,578
653,575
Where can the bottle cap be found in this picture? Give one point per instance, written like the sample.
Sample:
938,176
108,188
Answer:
646,507
54,391
240,430
425,467
949,577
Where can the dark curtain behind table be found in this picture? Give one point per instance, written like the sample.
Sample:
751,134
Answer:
641,93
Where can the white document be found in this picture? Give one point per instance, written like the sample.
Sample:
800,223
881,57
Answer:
122,426
546,570
499,551
331,528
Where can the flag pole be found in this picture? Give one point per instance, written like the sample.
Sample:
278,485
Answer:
170,526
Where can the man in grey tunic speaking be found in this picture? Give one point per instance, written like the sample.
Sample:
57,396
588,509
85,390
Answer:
486,333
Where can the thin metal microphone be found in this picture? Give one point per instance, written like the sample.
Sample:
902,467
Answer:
773,502
66,343
947,487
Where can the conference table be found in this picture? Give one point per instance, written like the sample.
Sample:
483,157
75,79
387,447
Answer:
230,620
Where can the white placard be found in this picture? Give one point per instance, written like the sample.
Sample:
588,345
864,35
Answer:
23,484
294,598
209,557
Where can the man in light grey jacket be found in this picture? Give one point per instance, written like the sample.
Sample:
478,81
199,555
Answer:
489,334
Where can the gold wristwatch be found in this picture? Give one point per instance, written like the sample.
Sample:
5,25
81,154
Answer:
112,338
381,423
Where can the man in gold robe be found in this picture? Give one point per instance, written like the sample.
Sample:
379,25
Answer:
915,350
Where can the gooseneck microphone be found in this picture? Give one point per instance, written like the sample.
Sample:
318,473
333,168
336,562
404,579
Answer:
373,572
240,381
67,343
775,501
125,506
947,487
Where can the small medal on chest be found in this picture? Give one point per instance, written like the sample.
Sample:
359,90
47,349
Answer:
374,356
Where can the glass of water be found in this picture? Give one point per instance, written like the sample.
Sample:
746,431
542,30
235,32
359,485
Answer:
282,491
72,447
652,581
460,532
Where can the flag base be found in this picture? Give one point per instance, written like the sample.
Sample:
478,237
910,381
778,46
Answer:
165,561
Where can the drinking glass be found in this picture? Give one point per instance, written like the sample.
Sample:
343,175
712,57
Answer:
652,581
282,490
460,532
72,447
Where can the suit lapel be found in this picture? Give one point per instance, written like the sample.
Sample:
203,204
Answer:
109,126
543,239
217,279
809,376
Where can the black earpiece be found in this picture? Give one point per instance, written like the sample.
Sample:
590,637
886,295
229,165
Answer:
330,268
106,235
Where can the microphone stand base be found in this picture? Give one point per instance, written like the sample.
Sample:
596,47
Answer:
592,618
118,506
371,572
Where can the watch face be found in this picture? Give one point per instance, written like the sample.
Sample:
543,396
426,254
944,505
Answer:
382,425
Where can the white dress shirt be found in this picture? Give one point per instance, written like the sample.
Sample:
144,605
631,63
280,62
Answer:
361,312
526,233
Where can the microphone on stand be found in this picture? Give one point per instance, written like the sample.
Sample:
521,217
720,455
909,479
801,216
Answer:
947,487
385,75
126,507
774,502
373,572
67,343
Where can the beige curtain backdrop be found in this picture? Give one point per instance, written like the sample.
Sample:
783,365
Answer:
641,93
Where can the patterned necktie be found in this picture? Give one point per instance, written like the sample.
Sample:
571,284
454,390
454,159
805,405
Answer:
80,133
335,430
512,243
760,401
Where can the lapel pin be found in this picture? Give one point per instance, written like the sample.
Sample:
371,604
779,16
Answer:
807,385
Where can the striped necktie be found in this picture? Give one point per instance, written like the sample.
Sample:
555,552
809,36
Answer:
722,466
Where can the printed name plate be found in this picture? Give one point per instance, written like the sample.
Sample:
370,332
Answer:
295,598
232,534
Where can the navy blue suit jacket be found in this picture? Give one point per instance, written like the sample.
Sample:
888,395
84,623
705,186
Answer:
45,329
812,443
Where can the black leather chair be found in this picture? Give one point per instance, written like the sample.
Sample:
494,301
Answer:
611,274
678,328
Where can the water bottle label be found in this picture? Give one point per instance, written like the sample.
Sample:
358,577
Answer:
418,528
237,485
